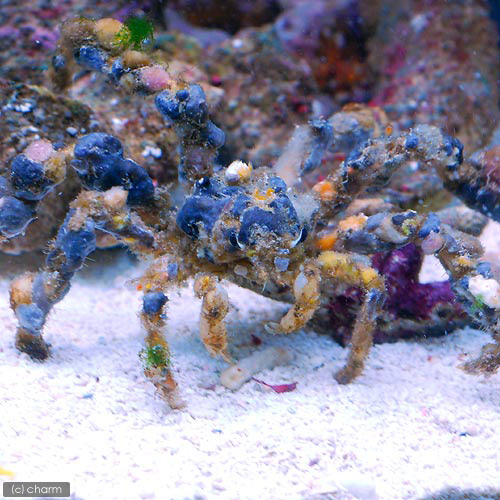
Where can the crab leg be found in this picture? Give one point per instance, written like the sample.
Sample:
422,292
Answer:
156,356
459,253
213,313
163,274
371,164
90,45
362,337
306,291
158,368
32,296
477,290
343,267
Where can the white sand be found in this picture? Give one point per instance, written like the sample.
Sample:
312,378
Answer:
412,424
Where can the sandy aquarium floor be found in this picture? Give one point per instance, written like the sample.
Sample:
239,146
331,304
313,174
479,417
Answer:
413,424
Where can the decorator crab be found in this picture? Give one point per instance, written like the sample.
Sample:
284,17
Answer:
259,228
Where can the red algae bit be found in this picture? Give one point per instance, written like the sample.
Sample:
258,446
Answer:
280,388
156,78
256,340
215,80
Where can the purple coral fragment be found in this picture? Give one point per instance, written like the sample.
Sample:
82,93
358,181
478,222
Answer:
406,297
406,300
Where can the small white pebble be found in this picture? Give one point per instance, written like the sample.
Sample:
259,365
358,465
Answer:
486,290
419,22
235,376
118,123
24,107
238,171
155,152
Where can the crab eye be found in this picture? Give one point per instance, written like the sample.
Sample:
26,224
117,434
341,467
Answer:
204,183
301,238
235,242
